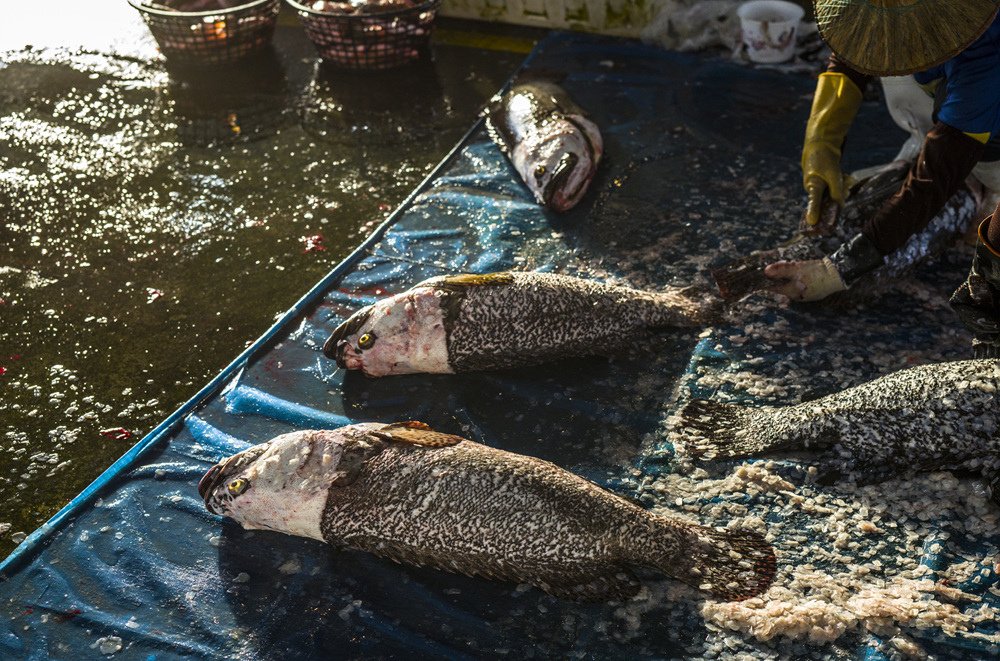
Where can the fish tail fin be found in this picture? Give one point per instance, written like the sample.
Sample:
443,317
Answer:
684,306
704,429
730,565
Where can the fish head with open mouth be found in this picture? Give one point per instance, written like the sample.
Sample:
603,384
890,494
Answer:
561,170
283,484
401,334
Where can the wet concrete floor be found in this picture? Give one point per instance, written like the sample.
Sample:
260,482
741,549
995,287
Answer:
153,223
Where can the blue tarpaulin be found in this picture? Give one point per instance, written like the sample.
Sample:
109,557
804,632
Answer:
701,165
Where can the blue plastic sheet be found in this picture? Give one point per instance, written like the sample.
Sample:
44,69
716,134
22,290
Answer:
701,164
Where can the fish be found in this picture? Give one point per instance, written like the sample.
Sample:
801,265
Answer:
549,140
420,497
745,275
469,322
943,416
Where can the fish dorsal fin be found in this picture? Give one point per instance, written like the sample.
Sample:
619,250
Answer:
478,279
417,433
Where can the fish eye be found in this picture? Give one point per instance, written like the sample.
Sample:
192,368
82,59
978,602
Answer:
366,340
540,172
237,486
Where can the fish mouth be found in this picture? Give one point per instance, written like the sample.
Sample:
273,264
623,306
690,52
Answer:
560,177
209,481
336,344
339,352
336,351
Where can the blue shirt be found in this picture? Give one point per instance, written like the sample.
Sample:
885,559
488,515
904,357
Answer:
970,101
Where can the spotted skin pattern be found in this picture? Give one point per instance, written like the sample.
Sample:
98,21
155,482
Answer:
503,320
940,416
464,507
538,317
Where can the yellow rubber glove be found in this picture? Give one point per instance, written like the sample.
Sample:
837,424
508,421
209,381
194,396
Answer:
835,104
805,281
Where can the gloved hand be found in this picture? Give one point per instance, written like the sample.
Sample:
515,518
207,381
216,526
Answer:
808,280
977,300
815,279
835,104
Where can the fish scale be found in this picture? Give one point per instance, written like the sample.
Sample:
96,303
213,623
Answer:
539,317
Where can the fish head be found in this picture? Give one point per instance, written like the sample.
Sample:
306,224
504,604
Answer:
283,484
562,171
401,334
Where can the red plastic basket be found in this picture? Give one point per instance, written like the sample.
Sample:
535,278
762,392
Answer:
370,41
211,37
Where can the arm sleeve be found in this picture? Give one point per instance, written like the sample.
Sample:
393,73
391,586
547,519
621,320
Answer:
946,159
837,65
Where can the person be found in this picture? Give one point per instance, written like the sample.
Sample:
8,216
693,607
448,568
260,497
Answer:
940,63
977,300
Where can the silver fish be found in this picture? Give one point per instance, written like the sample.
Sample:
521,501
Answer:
746,275
550,141
472,322
931,417
419,497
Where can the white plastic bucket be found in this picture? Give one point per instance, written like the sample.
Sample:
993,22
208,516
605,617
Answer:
769,28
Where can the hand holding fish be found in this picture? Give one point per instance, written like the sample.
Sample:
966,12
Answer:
835,104
805,281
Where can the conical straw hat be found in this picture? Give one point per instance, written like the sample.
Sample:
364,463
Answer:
897,37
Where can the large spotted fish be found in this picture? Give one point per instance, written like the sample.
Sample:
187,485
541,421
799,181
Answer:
405,492
941,416
550,141
500,320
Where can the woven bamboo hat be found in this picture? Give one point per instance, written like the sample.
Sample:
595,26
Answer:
898,37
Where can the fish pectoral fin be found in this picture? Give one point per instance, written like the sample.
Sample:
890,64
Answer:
417,433
616,585
478,279
352,462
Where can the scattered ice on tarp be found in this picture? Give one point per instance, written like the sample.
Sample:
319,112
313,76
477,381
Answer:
108,644
854,560
345,612
291,566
